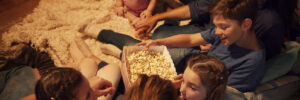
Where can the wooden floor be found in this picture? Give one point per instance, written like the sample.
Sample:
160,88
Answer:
12,11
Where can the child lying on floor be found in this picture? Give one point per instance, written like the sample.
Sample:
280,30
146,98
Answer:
90,65
69,84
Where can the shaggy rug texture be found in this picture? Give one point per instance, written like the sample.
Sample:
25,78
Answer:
53,25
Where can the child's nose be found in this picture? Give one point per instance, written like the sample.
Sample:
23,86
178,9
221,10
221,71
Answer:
218,31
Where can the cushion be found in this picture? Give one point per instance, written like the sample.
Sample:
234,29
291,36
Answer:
233,94
281,64
296,67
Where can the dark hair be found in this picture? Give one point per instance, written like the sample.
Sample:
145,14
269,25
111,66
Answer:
235,9
59,84
19,54
212,73
151,88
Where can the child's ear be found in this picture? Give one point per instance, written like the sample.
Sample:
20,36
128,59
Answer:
246,25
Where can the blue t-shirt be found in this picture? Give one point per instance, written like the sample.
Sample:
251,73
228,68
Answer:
268,26
246,67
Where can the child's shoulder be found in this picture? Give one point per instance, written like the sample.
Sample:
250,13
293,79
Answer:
257,56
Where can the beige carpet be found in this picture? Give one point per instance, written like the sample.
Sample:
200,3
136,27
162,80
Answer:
53,24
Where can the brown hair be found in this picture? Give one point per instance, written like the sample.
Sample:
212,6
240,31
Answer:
235,9
59,84
212,73
151,88
19,54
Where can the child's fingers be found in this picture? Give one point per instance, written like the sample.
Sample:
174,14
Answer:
143,23
176,83
150,28
142,15
140,33
105,91
180,76
144,43
140,44
106,83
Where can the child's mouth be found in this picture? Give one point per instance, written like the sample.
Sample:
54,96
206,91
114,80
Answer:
182,98
223,38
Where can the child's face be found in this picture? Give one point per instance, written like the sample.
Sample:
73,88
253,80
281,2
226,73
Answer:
191,87
229,31
85,92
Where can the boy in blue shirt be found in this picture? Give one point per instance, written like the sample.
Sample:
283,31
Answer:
233,42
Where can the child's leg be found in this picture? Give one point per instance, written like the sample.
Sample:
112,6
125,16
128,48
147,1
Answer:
111,73
91,30
76,54
111,50
83,47
87,62
88,67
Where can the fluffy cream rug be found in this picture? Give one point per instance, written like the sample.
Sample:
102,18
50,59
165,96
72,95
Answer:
54,23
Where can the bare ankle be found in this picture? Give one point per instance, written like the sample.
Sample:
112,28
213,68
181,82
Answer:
91,30
111,50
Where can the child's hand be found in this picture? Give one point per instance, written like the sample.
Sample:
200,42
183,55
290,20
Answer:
150,23
148,43
101,86
119,10
145,14
136,22
205,47
177,81
141,34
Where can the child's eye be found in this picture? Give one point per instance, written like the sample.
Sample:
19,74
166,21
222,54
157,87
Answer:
224,27
193,88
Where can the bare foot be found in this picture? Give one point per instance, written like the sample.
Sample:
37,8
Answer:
111,50
91,30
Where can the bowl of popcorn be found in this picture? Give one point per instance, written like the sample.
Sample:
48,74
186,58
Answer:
153,61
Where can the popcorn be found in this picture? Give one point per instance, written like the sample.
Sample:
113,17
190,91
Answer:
149,63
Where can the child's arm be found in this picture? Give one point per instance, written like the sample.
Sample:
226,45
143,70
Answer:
119,9
148,12
177,41
151,5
